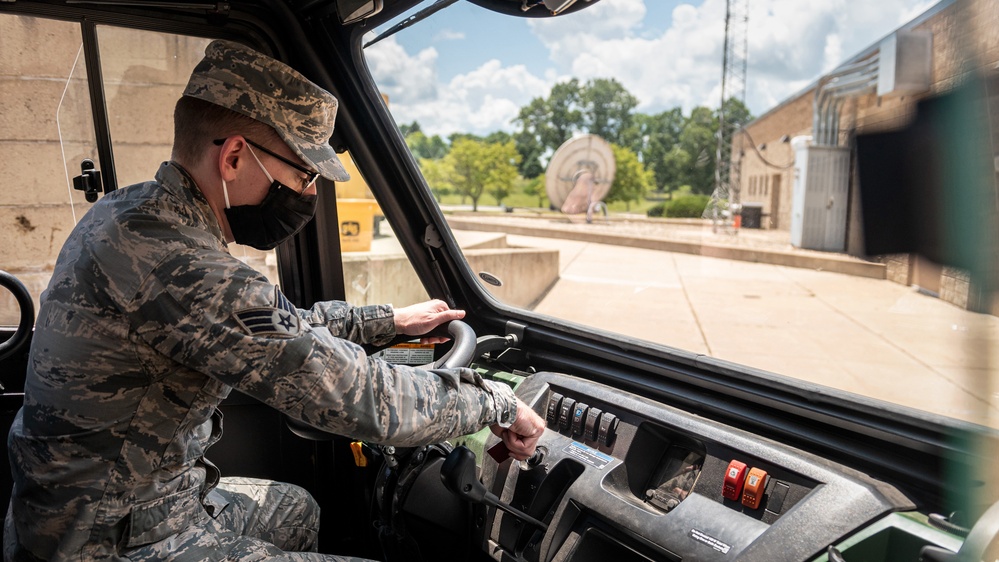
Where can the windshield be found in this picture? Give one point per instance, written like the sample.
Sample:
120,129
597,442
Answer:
590,172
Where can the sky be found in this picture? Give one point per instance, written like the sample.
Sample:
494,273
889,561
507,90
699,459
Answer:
468,69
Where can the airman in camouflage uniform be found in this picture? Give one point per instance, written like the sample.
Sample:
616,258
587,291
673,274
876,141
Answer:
147,325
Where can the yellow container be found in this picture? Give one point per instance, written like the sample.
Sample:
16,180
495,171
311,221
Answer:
357,224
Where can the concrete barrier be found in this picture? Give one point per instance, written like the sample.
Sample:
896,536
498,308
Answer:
831,262
379,278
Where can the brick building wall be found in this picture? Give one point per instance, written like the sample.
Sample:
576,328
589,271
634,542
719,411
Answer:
965,37
766,173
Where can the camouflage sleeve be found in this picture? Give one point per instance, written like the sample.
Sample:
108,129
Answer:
364,324
219,317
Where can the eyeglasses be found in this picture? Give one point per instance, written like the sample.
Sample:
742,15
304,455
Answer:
310,176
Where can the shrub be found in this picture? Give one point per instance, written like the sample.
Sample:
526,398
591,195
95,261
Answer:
687,207
657,210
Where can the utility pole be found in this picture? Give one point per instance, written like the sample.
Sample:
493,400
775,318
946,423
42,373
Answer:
725,200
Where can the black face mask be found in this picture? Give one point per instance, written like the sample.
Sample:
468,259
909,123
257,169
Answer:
281,214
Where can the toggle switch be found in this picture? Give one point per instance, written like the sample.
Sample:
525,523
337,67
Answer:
752,491
565,413
607,429
592,423
735,475
551,416
578,418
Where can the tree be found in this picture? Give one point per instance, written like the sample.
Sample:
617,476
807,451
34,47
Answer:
438,173
502,159
536,187
500,191
531,151
566,118
698,140
459,136
606,108
674,167
407,130
601,107
497,137
480,167
736,114
631,180
423,146
552,120
467,176
654,137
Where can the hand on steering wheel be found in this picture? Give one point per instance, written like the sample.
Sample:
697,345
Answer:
421,319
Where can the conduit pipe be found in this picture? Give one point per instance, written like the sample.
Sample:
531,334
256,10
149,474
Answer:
833,90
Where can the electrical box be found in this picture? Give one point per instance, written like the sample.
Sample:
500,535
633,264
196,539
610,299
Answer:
821,192
904,65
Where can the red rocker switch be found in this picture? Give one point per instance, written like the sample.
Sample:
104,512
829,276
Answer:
735,475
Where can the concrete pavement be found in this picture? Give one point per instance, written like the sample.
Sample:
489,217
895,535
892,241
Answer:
863,335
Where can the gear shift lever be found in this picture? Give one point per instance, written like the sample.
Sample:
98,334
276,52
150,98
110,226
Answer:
458,475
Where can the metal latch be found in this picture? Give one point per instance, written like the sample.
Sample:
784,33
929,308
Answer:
89,180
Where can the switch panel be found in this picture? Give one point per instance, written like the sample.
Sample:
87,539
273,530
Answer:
580,421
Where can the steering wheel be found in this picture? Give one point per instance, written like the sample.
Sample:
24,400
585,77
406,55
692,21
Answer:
462,351
20,337
460,355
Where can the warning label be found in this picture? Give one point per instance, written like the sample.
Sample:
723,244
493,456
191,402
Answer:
585,454
408,354
707,539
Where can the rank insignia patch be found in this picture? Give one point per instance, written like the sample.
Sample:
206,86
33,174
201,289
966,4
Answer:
282,320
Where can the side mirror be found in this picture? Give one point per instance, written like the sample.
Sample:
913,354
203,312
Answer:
350,11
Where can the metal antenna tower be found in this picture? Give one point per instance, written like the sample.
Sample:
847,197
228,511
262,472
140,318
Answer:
733,85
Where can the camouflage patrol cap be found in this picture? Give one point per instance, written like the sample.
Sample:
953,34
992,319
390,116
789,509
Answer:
247,82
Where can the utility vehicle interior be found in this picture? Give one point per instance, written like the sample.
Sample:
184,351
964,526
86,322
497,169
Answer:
650,452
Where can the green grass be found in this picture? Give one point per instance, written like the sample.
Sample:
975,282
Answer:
522,201
515,200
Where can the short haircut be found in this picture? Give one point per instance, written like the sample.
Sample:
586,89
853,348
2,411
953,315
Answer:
196,123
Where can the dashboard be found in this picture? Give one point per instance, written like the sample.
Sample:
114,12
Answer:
625,479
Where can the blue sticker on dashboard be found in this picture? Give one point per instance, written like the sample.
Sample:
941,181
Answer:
587,455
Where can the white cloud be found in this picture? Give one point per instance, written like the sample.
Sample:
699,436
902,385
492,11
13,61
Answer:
405,79
790,44
676,66
796,40
449,35
481,101
567,36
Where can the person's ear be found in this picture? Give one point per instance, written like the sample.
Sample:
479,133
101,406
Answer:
231,157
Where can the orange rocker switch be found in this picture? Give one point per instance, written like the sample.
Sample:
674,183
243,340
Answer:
735,475
756,484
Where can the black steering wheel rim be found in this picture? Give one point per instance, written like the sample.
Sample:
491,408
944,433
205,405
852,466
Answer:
462,350
27,321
